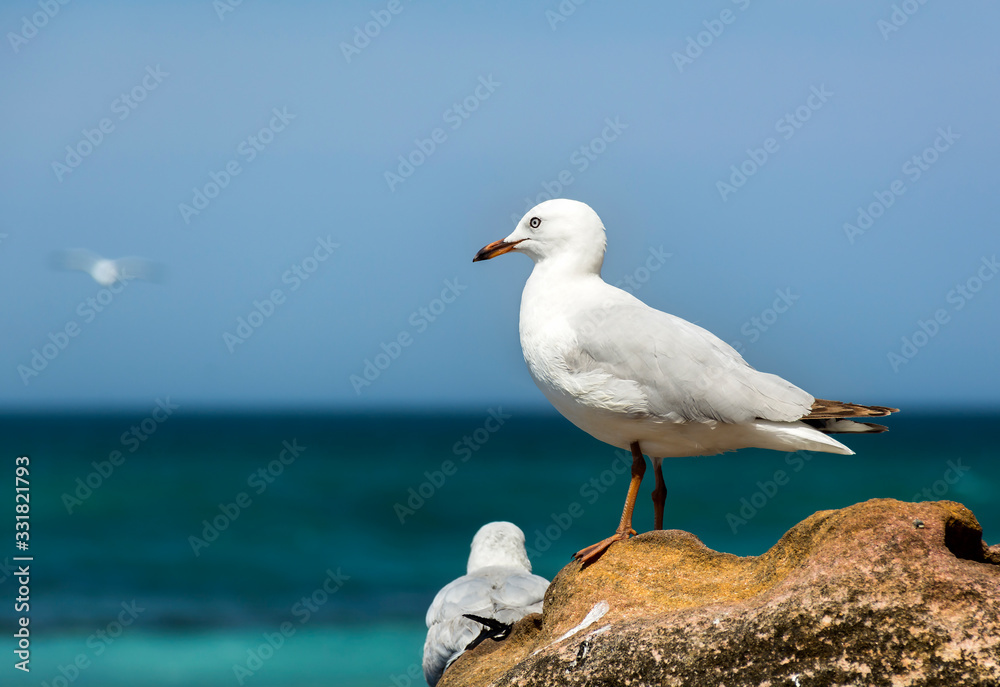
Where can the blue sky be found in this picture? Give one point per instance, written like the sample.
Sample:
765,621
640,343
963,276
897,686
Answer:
397,158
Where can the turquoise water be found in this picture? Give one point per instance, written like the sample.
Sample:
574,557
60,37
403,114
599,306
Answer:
316,570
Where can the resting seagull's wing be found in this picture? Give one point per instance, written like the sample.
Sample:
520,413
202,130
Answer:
630,357
500,593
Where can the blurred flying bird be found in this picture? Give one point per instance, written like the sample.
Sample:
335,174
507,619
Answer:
106,271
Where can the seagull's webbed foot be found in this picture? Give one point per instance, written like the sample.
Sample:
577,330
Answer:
624,531
492,629
595,551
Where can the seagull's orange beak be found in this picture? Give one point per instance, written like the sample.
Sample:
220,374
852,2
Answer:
494,249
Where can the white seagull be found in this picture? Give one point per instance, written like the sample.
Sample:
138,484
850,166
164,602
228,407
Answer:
497,590
106,271
645,380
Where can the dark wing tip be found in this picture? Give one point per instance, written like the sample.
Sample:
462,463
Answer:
823,409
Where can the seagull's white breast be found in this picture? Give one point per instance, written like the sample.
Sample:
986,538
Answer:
606,407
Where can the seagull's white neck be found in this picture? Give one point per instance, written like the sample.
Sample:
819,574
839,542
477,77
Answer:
556,287
505,559
569,265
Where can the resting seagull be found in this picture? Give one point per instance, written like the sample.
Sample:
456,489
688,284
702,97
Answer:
497,591
645,380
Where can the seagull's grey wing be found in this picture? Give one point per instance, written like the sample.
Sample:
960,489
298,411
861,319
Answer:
665,366
448,632
501,593
446,641
467,594
139,268
74,259
518,595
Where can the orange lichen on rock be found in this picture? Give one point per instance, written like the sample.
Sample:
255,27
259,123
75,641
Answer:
882,592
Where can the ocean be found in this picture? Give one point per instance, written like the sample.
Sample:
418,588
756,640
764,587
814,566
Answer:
180,548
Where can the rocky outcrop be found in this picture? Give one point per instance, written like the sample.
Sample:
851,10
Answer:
880,593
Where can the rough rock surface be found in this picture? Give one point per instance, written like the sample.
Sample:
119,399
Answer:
880,593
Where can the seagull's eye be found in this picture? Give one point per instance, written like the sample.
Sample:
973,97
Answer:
534,222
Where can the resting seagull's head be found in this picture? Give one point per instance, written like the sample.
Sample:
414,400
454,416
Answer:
560,230
498,544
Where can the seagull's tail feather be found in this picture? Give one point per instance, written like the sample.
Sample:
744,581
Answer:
836,417
794,436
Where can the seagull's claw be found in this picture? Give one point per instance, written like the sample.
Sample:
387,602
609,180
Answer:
595,551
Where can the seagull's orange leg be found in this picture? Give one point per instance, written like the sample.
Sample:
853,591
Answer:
659,494
624,531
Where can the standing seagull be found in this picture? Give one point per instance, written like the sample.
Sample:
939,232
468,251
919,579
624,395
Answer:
497,591
645,380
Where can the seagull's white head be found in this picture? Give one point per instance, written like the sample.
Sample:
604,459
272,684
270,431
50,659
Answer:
501,544
562,230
